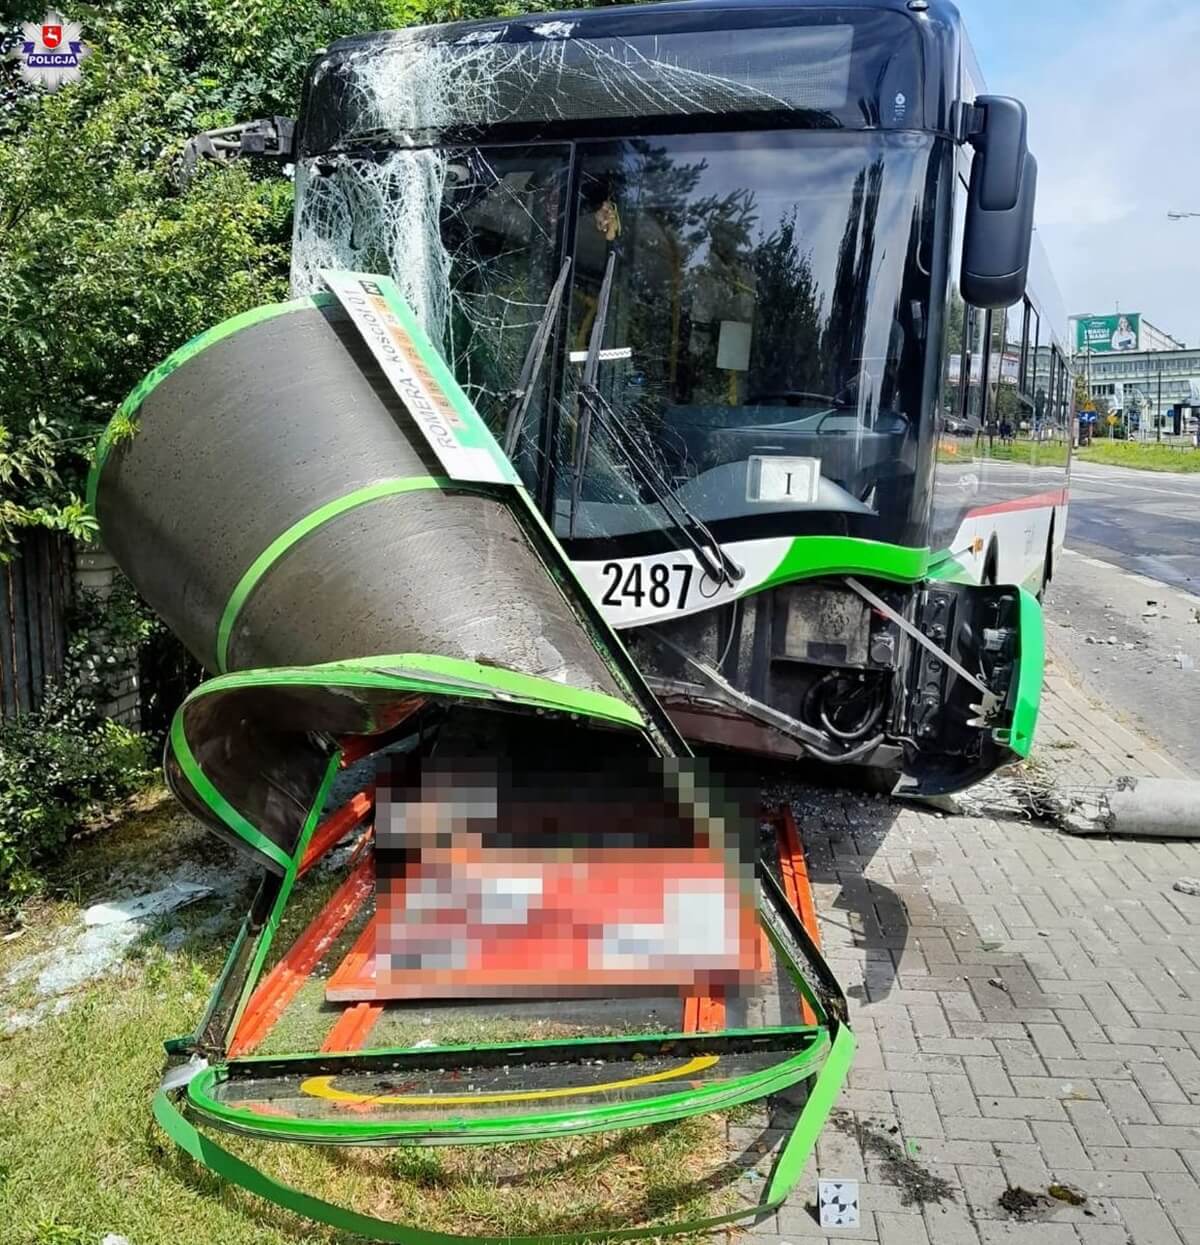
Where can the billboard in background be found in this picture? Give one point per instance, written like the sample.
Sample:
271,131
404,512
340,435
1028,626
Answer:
1108,334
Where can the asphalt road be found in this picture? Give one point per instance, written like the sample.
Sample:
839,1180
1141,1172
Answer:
1120,613
1144,521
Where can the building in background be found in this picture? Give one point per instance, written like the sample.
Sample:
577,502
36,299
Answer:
1150,380
1149,390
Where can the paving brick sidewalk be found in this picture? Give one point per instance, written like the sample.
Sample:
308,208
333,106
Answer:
1027,1006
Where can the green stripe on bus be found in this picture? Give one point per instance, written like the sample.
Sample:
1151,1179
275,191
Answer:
1031,664
950,568
297,532
810,556
175,360
214,799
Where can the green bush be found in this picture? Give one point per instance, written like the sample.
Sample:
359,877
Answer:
60,767
106,263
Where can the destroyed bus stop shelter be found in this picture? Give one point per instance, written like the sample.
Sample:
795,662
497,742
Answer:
313,505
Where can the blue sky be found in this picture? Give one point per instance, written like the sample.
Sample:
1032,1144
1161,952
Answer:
1113,91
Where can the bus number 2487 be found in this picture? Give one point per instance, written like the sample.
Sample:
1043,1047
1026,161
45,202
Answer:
661,585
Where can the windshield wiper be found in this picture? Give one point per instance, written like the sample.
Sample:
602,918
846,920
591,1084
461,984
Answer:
593,407
522,395
714,561
587,387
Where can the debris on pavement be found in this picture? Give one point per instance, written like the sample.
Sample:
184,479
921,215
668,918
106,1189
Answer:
918,1185
1067,1193
1022,1204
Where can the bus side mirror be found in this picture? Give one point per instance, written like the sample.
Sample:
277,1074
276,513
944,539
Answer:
999,225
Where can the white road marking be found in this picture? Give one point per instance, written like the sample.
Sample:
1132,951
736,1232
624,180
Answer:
1137,488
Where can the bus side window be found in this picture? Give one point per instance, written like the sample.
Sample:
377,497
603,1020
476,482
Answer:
1005,412
1064,395
1058,386
976,326
1029,385
954,360
1028,320
1052,406
976,362
955,367
1043,379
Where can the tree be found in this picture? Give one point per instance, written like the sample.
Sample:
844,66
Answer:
106,264
856,255
787,347
1085,401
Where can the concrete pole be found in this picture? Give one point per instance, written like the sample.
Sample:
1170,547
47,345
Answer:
1156,807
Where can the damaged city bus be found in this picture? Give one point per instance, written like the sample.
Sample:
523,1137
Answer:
750,295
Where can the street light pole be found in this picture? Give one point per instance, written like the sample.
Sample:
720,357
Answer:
1158,409
1087,372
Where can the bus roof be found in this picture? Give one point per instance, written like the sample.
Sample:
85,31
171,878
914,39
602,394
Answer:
849,64
590,21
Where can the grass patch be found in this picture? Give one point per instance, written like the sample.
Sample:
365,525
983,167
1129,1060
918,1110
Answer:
80,1156
1036,453
1145,456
